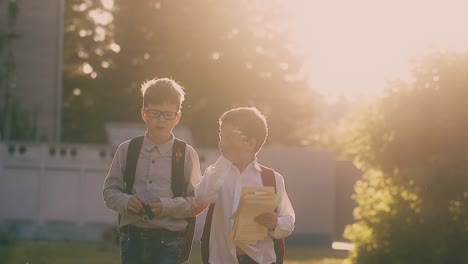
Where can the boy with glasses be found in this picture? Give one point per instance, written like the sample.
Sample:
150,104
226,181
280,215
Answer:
153,217
242,134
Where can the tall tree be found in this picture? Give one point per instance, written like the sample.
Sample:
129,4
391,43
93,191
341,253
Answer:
226,53
89,50
7,74
412,145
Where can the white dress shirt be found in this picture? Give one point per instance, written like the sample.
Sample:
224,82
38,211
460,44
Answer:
222,184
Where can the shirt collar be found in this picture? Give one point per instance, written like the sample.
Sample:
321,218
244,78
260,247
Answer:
253,165
256,165
164,148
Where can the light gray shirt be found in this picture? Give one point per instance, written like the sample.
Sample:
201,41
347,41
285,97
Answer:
153,181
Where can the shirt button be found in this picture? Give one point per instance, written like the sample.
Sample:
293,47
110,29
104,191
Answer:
152,161
150,182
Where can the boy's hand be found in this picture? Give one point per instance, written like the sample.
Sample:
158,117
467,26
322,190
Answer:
135,204
269,220
156,207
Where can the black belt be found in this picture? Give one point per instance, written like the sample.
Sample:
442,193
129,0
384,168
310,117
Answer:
149,233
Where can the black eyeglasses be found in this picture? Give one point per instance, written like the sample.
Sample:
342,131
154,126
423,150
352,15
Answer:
156,114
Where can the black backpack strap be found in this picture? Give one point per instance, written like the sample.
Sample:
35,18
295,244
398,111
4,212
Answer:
179,189
131,162
178,183
133,153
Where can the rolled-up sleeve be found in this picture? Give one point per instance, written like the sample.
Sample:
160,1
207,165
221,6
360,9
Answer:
207,190
114,193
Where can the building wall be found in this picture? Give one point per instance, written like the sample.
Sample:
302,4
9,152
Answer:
36,54
309,175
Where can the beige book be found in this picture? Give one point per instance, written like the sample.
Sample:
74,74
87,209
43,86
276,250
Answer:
253,202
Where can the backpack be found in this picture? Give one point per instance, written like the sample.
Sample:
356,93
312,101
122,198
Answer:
268,179
178,184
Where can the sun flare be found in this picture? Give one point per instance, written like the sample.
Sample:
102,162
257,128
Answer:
352,48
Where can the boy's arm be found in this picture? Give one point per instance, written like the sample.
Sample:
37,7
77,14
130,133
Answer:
114,193
183,207
286,214
203,190
207,191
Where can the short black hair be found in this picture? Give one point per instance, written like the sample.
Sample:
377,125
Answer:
250,121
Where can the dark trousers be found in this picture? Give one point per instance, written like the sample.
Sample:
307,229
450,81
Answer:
138,248
245,259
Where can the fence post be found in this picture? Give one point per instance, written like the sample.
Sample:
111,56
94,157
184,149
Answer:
2,173
41,177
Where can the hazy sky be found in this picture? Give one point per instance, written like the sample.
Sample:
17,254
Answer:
353,46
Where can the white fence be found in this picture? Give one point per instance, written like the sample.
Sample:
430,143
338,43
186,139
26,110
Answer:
55,191
53,186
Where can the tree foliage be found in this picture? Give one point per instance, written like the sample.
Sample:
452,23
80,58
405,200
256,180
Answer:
10,109
89,52
225,53
413,146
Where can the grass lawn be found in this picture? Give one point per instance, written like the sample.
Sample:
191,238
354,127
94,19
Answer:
96,252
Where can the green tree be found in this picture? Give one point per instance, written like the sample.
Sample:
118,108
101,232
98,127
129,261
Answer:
226,53
413,147
89,52
8,109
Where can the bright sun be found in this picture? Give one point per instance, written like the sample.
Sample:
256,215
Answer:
352,47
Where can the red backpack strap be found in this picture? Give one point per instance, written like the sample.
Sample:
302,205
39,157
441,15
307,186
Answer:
205,238
268,179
